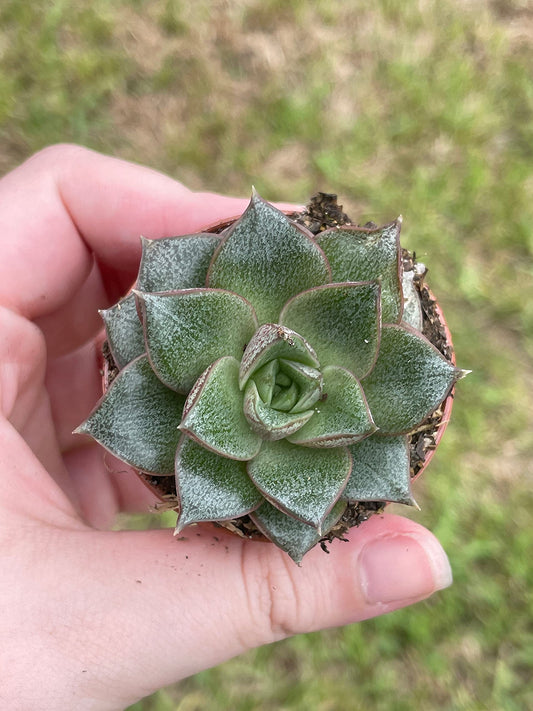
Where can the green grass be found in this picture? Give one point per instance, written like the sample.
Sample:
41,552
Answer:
420,108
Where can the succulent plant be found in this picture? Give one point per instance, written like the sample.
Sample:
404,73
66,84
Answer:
273,372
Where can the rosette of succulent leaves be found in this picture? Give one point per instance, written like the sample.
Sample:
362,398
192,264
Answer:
272,372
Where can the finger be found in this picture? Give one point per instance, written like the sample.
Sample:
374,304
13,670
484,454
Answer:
162,609
104,486
74,382
77,321
29,493
94,481
25,411
67,203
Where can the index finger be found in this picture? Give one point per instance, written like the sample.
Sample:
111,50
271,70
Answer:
66,204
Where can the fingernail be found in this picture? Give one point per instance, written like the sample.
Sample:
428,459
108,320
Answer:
402,568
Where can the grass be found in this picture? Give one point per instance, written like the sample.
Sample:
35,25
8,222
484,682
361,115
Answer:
423,108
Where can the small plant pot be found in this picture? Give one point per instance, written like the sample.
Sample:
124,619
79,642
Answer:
275,363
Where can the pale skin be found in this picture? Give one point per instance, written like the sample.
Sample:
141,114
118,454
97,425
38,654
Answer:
96,619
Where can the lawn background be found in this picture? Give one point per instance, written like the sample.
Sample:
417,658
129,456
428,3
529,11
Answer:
421,108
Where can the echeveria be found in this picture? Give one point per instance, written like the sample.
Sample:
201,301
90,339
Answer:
270,371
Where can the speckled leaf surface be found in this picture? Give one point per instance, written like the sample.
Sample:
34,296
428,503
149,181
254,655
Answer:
409,380
210,487
380,471
271,342
187,331
294,537
214,416
173,263
269,423
124,331
342,418
363,254
267,259
340,321
137,420
304,482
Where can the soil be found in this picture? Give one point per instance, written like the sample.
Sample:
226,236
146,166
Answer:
323,212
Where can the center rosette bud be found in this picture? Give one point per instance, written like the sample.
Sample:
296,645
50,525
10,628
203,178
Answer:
281,381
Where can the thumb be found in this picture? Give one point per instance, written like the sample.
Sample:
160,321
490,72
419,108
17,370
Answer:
136,611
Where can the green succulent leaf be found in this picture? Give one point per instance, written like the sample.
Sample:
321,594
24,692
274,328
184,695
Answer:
305,483
265,380
341,418
294,537
341,321
286,398
210,487
271,342
137,419
306,380
412,308
269,423
381,471
188,330
267,259
124,331
174,263
368,254
213,414
409,380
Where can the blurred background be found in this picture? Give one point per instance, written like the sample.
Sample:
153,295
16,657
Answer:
421,108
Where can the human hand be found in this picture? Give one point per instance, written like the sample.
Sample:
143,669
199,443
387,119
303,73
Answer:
96,619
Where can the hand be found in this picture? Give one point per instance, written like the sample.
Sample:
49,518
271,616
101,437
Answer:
94,619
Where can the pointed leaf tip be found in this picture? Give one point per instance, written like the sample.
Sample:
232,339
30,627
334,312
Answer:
173,263
267,259
294,537
409,380
342,419
210,487
358,254
137,419
213,414
187,330
342,322
381,471
305,483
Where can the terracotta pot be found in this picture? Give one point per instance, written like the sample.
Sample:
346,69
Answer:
448,402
